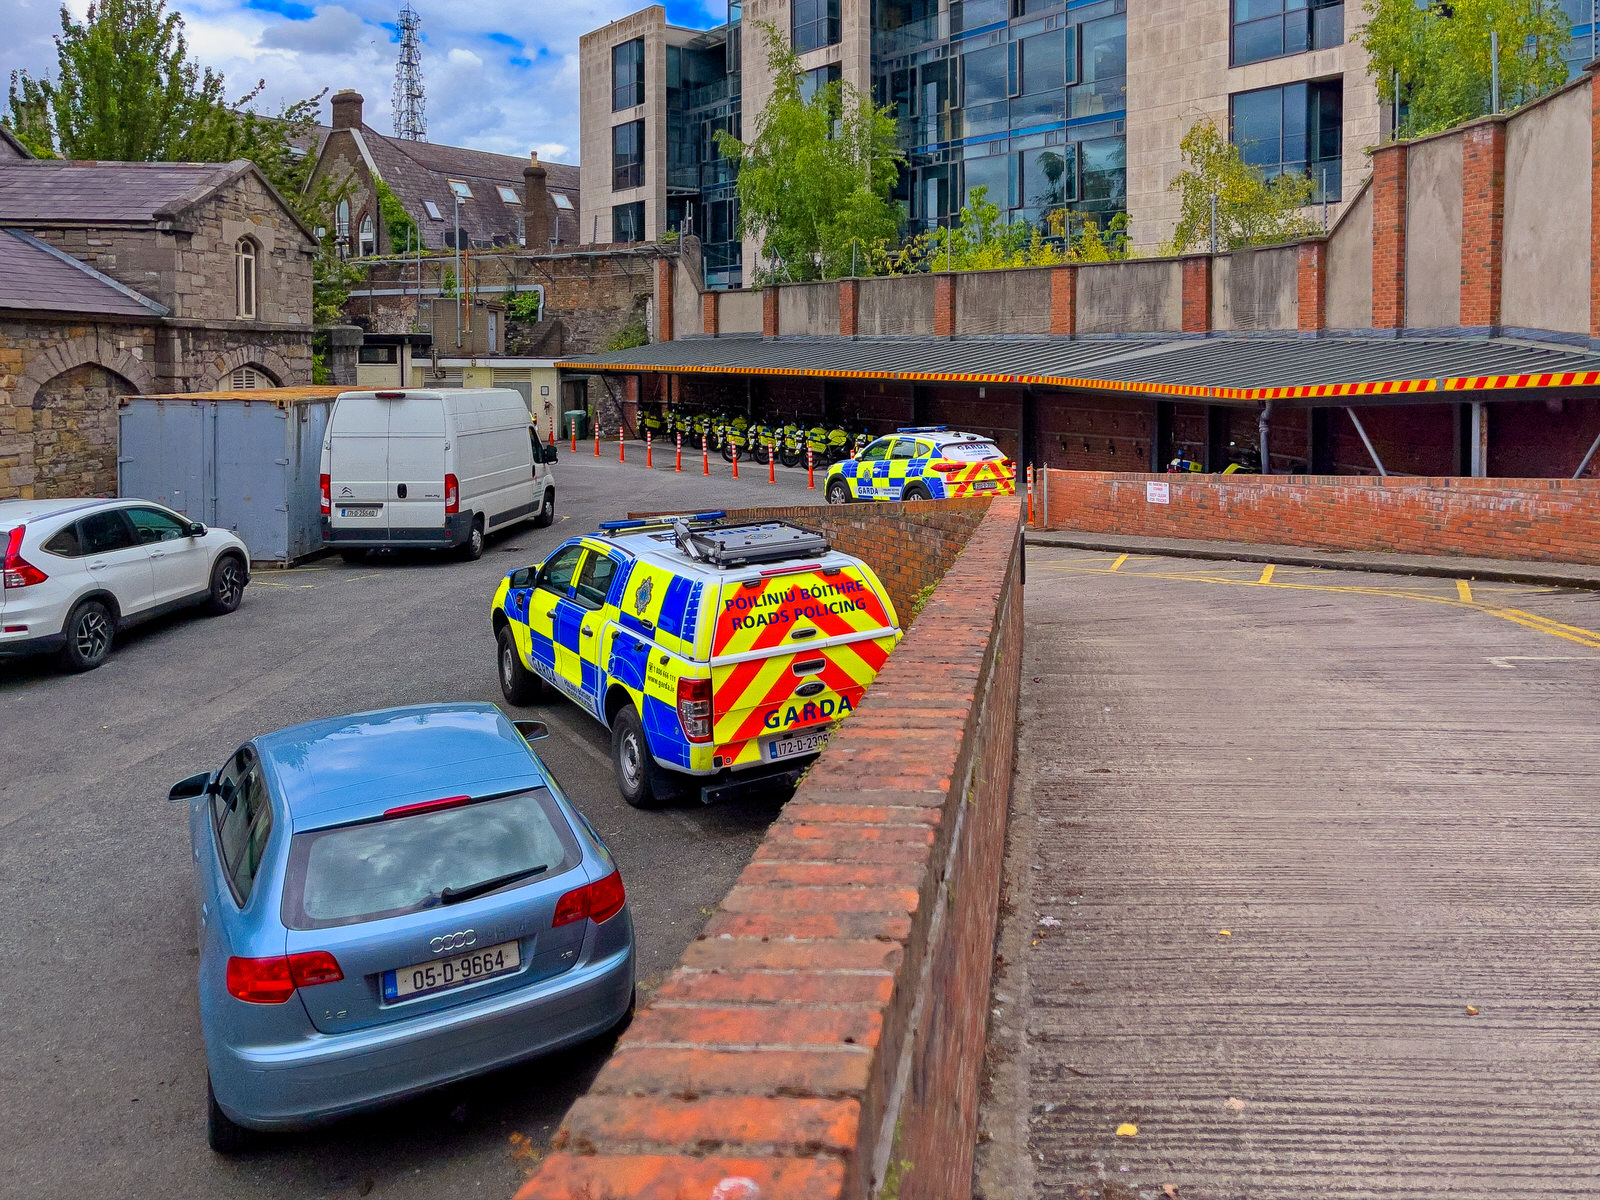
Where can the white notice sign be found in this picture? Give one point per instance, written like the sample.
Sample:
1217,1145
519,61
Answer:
1157,493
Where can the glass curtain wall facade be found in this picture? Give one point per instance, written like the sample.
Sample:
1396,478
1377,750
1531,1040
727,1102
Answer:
703,87
1024,98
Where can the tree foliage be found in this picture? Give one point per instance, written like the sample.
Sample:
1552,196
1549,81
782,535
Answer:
814,181
1441,55
1251,210
404,237
983,241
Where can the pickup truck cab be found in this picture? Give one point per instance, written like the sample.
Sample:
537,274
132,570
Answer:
718,654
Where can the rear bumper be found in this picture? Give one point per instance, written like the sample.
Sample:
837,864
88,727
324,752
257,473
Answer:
19,646
326,1076
453,532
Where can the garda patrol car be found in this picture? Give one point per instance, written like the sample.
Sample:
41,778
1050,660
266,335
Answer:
716,653
927,462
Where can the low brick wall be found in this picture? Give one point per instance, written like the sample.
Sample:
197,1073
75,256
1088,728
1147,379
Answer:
908,545
826,1029
1544,520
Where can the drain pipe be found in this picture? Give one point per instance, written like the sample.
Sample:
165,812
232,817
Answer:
1366,441
1263,426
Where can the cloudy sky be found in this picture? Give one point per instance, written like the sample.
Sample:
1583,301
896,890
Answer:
500,74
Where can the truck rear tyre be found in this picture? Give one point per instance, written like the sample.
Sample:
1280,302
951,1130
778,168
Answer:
518,685
642,783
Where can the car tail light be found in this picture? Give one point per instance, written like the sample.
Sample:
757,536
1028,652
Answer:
452,494
1010,464
694,709
327,495
947,468
599,901
273,980
19,572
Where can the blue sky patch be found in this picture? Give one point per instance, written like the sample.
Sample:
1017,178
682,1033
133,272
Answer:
504,39
287,9
696,14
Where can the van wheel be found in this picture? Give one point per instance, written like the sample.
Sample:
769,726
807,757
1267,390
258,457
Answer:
547,509
90,632
838,492
353,556
222,1135
472,548
519,685
642,783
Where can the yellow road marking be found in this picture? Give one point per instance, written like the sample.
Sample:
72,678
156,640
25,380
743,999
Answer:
1464,590
1517,616
1266,574
1122,558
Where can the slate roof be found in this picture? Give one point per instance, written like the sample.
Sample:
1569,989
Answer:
40,278
10,148
57,192
421,171
1207,369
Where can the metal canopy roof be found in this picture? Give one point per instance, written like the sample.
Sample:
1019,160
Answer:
1215,368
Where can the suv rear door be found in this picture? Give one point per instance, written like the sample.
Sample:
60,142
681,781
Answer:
793,649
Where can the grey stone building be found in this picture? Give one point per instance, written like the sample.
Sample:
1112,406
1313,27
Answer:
128,278
499,201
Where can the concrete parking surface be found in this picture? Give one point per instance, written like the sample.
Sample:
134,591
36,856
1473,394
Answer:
102,1082
1303,885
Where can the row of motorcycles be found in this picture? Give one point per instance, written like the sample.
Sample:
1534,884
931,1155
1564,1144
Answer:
788,443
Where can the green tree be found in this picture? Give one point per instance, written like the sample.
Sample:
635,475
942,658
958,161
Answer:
404,236
1251,210
814,181
1440,55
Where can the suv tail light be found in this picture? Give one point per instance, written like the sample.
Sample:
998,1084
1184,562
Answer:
327,494
273,980
946,468
1010,464
599,901
694,709
452,494
19,572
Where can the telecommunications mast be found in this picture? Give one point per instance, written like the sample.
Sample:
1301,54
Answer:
410,105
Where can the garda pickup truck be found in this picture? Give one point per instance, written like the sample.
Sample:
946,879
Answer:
716,653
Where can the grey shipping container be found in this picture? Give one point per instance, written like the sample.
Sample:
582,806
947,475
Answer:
251,466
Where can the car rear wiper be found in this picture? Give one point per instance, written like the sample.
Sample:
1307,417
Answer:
453,895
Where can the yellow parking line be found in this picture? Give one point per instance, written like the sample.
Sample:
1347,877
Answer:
1266,574
1121,558
1464,590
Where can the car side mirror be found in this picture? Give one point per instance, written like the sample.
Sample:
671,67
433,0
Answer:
196,529
191,788
531,731
522,577
549,453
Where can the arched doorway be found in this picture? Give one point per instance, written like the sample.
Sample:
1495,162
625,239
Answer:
75,432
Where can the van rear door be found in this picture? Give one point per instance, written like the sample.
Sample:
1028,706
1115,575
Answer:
417,438
358,463
792,650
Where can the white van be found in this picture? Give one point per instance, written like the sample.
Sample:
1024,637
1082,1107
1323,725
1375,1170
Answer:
420,468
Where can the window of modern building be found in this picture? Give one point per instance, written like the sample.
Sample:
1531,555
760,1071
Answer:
627,156
1048,178
1102,78
989,171
1297,127
368,242
433,210
814,81
813,24
1273,28
1103,178
245,263
508,195
967,15
627,222
627,75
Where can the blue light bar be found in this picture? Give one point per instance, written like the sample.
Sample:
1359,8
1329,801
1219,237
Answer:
610,525
709,516
924,429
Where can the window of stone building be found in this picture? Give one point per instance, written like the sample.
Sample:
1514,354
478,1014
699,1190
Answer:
562,200
627,155
247,379
627,75
245,263
1296,128
1273,28
369,236
341,227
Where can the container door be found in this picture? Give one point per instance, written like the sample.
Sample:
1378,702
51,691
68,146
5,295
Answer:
165,455
791,653
416,465
251,484
358,464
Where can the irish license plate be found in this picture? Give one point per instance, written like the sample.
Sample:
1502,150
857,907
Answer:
802,743
451,972
364,511
985,485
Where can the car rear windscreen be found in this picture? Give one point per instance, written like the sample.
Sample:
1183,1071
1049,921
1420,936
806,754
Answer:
376,869
971,451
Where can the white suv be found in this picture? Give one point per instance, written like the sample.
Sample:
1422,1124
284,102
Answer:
77,571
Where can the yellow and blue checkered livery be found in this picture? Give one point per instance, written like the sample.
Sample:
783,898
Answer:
929,462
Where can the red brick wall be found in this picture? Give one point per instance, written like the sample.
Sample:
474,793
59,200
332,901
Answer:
708,313
664,330
1483,216
1547,520
799,1029
1064,301
1594,206
1311,286
1197,295
944,305
1389,237
769,312
849,297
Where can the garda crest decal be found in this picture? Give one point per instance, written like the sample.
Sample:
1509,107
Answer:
641,597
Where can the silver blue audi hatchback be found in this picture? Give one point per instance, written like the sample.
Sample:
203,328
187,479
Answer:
388,902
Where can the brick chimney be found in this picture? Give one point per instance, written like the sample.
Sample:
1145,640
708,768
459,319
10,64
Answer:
535,206
347,109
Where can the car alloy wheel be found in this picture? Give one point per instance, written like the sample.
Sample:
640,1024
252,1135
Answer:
91,634
227,585
838,492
